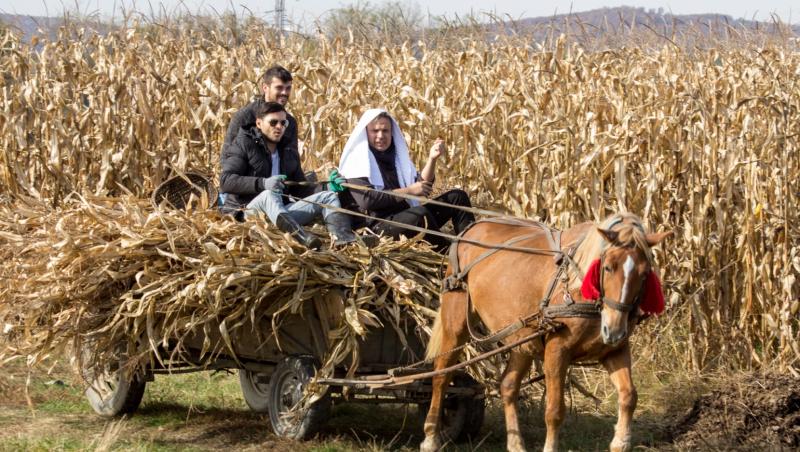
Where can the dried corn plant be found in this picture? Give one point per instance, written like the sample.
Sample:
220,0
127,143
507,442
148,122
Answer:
700,140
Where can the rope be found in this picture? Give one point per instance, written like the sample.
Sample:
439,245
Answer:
420,199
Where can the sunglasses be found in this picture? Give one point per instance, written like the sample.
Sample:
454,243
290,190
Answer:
275,122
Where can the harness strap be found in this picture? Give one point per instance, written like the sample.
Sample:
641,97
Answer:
583,310
619,306
456,281
510,329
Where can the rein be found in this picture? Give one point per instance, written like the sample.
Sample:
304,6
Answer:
451,237
457,281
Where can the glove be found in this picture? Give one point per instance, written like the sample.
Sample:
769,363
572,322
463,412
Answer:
335,181
274,183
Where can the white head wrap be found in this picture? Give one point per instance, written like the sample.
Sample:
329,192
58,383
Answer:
357,160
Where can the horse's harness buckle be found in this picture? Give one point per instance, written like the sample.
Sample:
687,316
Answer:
454,283
568,300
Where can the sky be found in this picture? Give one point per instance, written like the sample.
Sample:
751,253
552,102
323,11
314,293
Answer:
304,12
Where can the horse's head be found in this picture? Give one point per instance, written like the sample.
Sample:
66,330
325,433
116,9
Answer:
623,279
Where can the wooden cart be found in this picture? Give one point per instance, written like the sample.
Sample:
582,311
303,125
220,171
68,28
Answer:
274,373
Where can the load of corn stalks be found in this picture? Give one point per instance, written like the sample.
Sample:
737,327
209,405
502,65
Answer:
117,271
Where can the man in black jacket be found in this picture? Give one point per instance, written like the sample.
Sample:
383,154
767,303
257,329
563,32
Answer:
254,168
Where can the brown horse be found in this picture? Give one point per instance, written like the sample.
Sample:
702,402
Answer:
508,285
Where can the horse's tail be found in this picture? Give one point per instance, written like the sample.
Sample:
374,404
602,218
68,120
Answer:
435,342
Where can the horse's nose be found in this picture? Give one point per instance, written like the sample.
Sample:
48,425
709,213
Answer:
610,339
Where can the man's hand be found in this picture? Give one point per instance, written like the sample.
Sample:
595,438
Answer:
335,181
437,149
421,188
274,183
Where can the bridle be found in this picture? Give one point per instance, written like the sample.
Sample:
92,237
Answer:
613,304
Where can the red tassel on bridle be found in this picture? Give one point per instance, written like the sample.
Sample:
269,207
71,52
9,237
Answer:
590,289
652,296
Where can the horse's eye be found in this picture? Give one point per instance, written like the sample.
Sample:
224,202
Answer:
607,268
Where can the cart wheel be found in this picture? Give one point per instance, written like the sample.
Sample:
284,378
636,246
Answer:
110,393
255,389
286,388
462,416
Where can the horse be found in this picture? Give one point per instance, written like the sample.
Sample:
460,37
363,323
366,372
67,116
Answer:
506,285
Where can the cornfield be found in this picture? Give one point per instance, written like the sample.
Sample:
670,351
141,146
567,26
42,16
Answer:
701,141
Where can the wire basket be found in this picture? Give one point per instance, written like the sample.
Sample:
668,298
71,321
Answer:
177,190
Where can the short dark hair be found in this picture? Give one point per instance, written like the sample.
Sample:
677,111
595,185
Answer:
278,72
265,108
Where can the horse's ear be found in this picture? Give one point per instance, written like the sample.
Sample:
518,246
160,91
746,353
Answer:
654,238
609,235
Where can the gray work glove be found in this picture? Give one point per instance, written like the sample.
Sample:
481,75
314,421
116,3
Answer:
274,183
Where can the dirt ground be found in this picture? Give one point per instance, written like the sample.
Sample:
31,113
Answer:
46,410
752,412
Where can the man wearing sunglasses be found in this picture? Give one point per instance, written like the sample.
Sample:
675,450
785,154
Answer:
254,168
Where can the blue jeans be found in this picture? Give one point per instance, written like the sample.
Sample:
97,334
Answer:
271,203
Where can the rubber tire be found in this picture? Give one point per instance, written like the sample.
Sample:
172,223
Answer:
256,394
289,379
109,395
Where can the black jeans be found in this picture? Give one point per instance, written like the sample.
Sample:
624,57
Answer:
432,217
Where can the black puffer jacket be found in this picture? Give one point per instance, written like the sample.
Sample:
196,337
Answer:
247,117
247,161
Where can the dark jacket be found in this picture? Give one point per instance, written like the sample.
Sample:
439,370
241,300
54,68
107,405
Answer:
380,204
247,161
247,116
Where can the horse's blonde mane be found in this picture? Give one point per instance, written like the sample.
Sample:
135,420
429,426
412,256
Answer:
630,230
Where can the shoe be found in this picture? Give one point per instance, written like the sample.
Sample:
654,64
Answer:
338,225
287,224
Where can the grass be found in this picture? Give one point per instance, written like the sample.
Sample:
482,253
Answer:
206,411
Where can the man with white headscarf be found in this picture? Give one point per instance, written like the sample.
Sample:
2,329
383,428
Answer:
376,156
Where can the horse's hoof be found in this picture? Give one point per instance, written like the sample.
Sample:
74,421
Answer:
619,446
431,444
515,444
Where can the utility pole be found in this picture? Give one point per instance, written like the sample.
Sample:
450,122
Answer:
280,17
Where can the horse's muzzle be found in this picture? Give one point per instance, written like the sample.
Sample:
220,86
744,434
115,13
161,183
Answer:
610,338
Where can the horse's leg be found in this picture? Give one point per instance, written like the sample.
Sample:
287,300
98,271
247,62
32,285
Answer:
618,365
519,364
452,318
556,363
